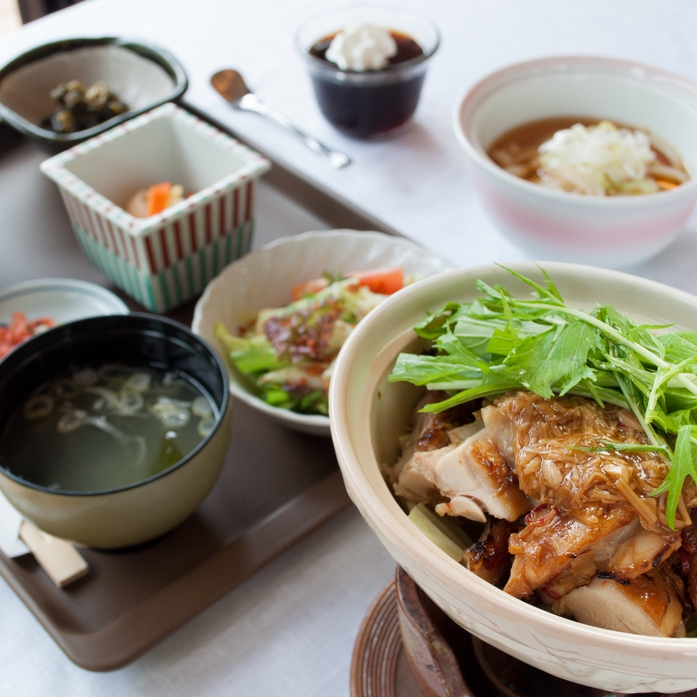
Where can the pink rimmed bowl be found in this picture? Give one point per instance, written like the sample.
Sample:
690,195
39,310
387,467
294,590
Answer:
603,231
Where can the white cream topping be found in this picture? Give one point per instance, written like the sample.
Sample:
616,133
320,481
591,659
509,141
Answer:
362,47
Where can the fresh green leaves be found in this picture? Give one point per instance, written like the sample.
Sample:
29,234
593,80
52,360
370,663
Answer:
499,342
681,468
557,358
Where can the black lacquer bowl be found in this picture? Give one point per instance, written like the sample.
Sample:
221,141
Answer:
148,508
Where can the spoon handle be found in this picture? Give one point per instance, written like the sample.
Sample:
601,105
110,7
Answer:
250,102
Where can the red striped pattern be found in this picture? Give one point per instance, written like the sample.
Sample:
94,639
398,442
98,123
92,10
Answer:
163,247
178,240
173,240
248,203
236,208
151,256
192,232
222,223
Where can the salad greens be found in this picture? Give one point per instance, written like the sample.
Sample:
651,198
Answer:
499,343
288,353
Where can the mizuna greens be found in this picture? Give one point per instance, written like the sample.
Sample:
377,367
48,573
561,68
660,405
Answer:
499,343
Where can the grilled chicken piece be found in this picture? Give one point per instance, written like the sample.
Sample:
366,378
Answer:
464,507
607,547
673,568
641,553
429,439
579,572
476,471
488,558
502,430
646,605
541,439
437,427
623,555
552,539
415,481
600,497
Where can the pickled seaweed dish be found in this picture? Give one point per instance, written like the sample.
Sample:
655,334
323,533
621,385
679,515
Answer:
80,107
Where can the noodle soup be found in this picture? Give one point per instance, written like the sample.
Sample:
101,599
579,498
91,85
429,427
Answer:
103,428
589,156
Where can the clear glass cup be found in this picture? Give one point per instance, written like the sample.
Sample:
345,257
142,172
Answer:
371,103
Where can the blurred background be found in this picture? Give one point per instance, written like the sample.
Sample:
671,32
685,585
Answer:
10,17
14,13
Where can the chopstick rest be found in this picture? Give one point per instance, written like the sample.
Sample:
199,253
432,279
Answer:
10,523
58,558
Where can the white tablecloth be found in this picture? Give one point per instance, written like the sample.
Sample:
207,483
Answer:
289,631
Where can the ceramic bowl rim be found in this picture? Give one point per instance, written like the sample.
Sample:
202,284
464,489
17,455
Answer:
475,95
68,283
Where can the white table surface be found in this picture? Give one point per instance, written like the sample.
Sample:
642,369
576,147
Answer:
290,629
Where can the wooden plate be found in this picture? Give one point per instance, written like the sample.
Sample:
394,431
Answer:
379,666
407,647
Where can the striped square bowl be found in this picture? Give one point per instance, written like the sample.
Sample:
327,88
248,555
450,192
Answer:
164,259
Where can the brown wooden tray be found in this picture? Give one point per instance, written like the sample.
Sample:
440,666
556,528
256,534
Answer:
277,485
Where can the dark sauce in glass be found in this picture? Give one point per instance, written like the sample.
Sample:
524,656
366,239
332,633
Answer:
364,110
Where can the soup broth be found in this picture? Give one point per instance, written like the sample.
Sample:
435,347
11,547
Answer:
105,428
517,151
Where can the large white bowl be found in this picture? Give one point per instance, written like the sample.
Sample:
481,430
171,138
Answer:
368,415
265,277
605,231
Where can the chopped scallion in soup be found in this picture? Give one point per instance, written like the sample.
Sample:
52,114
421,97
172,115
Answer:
585,156
105,428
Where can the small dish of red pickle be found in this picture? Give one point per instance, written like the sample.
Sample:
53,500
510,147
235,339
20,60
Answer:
20,329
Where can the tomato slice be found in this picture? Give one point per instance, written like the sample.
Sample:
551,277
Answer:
308,288
386,280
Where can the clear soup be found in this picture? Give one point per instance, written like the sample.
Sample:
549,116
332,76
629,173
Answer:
103,428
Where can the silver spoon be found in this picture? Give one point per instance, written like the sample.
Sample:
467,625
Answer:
231,86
